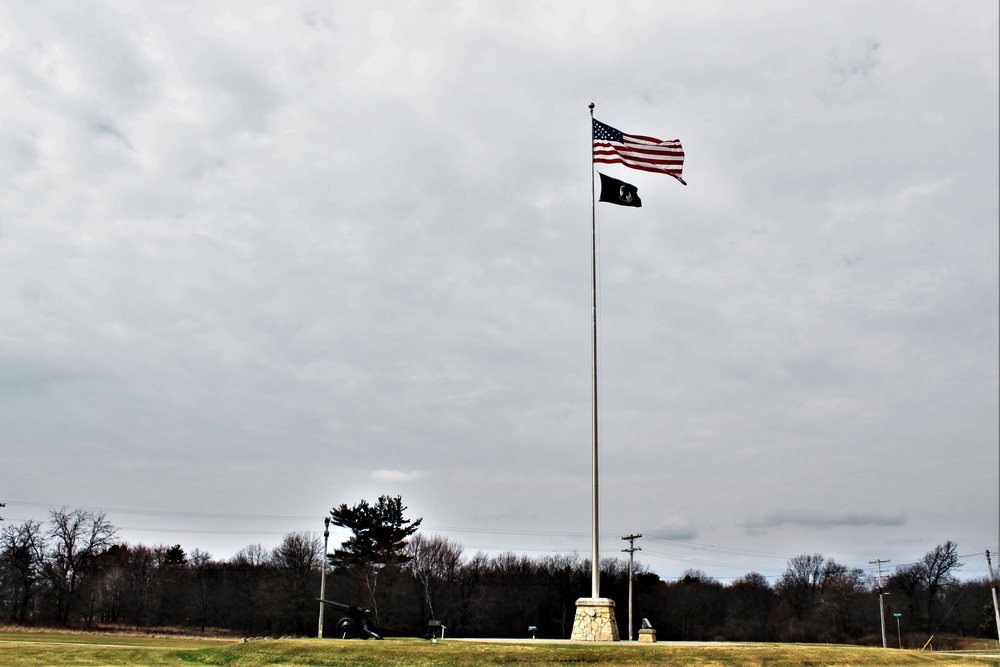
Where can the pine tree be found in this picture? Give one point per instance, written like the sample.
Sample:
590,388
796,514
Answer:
379,533
375,549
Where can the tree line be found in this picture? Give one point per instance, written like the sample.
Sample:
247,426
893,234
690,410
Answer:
74,572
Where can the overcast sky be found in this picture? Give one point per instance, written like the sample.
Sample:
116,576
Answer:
260,260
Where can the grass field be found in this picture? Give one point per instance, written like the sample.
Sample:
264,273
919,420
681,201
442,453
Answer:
37,649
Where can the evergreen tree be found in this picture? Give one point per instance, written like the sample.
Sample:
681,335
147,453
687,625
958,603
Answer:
376,548
379,533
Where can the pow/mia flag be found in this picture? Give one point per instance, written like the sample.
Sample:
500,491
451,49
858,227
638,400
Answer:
618,192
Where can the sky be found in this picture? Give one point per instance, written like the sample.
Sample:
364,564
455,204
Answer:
261,259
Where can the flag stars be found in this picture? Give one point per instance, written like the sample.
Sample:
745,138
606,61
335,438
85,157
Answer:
606,132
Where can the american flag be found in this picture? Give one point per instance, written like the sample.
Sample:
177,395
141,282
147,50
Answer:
613,146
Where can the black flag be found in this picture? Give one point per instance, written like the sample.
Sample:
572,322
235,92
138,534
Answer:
618,192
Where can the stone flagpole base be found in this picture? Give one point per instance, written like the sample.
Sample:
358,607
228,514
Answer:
595,621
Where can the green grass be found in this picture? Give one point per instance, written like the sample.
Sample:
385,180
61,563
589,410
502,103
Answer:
32,649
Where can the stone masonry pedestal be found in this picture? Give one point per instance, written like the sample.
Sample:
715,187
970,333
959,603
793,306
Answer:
595,621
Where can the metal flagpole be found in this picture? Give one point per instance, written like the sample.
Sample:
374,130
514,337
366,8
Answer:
595,616
595,566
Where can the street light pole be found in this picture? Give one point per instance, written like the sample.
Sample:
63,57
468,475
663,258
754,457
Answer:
322,579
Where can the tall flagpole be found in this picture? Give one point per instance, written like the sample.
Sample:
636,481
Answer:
595,616
595,567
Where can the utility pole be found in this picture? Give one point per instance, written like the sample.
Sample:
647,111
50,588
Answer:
630,551
322,580
993,589
881,605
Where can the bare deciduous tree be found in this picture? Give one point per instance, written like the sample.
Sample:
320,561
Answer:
76,538
202,589
434,562
937,567
298,560
248,575
22,551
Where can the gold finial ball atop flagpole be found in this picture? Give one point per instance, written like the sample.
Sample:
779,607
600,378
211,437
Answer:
591,105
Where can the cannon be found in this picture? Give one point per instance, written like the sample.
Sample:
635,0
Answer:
354,623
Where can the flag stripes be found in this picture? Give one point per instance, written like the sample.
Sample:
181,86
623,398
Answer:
613,146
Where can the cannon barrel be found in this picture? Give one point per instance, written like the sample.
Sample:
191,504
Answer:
350,609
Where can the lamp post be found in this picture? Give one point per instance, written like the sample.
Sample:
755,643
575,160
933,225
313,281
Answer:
322,579
898,633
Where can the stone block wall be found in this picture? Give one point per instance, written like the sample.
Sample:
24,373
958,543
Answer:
595,621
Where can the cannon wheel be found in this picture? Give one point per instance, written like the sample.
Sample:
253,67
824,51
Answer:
346,627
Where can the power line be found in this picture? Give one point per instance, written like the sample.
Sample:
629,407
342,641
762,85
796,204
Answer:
174,513
696,545
694,559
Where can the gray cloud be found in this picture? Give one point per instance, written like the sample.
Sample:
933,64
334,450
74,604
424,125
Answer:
821,520
250,255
